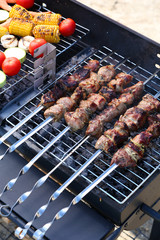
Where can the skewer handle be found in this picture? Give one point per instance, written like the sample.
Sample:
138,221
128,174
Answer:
16,127
28,135
39,233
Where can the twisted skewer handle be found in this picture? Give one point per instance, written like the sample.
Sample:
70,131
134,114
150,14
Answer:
26,168
21,232
16,127
39,233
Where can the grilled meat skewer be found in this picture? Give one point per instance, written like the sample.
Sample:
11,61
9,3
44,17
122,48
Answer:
129,155
133,119
68,83
114,108
90,85
76,120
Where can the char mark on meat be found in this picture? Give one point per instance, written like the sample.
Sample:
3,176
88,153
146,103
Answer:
105,74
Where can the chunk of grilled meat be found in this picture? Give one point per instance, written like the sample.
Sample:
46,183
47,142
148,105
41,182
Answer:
107,93
105,74
121,80
68,83
149,104
62,105
112,137
133,119
114,108
129,155
77,119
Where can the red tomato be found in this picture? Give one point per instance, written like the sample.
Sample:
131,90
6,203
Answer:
11,66
2,57
67,27
36,43
25,3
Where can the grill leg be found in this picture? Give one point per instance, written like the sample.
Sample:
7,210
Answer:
155,232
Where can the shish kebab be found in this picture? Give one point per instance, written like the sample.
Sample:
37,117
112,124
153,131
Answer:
65,84
97,101
148,102
85,87
41,181
140,142
133,119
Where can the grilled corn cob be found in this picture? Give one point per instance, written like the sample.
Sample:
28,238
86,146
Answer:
47,19
20,12
3,31
21,27
48,32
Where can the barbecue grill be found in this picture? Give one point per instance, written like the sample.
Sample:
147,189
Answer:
126,197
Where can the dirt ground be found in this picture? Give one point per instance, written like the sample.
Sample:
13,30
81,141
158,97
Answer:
141,15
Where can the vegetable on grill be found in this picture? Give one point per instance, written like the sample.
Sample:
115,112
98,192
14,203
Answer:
20,12
47,19
48,32
2,79
21,27
4,15
8,41
3,31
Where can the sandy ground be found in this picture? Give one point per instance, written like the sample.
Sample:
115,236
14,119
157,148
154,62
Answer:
141,15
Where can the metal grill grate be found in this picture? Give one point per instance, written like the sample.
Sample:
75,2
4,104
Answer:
122,183
18,84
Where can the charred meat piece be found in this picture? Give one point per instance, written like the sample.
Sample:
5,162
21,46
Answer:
90,85
113,137
121,80
136,89
56,111
107,93
76,119
93,65
129,155
68,83
114,108
134,118
105,74
149,104
86,108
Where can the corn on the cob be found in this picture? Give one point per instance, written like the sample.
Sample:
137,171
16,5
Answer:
48,32
3,31
21,27
47,19
20,12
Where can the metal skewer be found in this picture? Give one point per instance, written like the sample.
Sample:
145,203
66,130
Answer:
16,127
38,109
26,168
39,233
20,233
44,123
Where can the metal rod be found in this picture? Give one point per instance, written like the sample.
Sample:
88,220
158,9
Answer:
26,168
12,130
21,232
39,233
